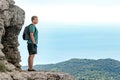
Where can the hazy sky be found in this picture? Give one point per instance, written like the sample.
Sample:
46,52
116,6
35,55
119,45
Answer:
73,29
72,11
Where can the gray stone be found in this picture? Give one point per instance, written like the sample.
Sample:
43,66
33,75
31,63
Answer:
4,76
40,75
4,5
2,55
8,66
11,21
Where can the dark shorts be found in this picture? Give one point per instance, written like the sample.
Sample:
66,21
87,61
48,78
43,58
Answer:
31,49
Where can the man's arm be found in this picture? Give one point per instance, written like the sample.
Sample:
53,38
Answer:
32,38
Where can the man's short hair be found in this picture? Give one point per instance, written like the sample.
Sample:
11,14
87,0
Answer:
33,17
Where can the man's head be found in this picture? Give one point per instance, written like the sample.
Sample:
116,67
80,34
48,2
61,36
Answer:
34,19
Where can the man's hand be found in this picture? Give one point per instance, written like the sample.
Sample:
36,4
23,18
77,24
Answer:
35,45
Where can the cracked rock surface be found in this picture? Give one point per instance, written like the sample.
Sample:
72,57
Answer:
11,21
41,75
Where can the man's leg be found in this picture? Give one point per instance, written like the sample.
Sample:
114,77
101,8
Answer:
30,61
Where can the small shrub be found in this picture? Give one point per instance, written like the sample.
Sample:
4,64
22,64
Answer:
2,67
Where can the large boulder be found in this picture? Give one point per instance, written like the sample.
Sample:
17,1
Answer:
11,21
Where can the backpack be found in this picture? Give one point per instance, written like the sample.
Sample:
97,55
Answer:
26,33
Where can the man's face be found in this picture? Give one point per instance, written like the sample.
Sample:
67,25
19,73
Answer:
35,20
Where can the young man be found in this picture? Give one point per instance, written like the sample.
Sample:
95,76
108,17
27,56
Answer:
32,42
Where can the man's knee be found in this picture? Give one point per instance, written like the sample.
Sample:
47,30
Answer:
32,55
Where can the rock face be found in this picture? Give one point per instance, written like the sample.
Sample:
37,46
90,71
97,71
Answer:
11,21
35,76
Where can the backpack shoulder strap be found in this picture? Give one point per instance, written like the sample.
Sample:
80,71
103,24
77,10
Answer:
30,25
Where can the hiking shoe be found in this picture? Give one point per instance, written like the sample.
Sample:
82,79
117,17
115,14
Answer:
31,70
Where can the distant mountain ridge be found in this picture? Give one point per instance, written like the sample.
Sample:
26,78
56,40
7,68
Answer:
87,69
